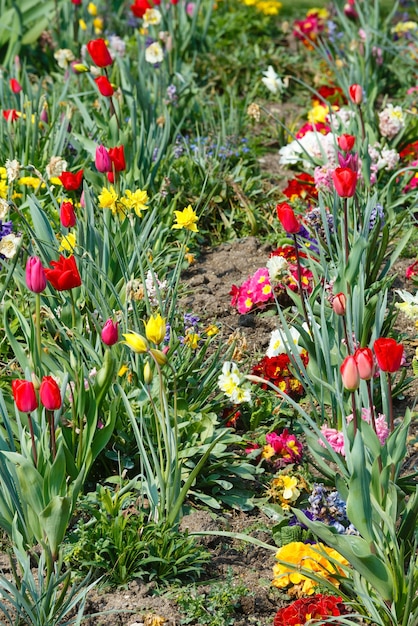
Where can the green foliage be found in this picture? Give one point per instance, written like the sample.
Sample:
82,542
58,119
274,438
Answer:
216,607
115,539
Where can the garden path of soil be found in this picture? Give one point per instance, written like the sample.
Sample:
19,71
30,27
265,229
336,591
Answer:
207,285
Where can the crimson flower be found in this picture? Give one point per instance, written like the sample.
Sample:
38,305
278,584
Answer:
24,395
388,353
346,142
303,610
287,218
356,93
70,181
345,181
11,115
64,274
104,86
67,214
50,394
15,86
99,52
140,6
117,156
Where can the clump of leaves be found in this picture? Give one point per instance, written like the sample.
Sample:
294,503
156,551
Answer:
215,607
115,540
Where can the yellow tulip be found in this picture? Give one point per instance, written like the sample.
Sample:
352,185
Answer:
155,329
137,343
159,356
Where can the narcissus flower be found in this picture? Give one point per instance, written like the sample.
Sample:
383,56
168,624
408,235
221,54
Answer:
136,200
24,395
50,394
99,52
230,380
186,219
64,274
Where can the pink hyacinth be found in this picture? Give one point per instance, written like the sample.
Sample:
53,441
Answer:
335,439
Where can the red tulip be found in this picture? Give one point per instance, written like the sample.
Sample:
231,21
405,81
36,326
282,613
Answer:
365,363
288,218
77,2
388,353
64,274
104,86
24,395
110,333
15,86
99,52
356,93
350,374
35,275
117,156
67,215
346,142
345,181
11,115
102,161
70,181
339,303
140,6
50,394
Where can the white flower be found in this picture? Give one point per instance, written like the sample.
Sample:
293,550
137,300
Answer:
152,17
13,170
4,208
154,53
409,306
117,46
56,166
63,57
315,145
279,343
229,382
9,245
272,81
152,284
277,266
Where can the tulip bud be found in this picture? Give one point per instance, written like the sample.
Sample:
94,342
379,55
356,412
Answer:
99,52
104,86
102,161
339,303
24,395
147,374
110,333
350,374
15,86
155,329
346,142
345,182
50,394
67,215
79,68
288,218
137,343
35,275
44,115
356,93
159,356
388,353
365,363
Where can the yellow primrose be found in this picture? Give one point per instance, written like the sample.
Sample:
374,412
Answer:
186,219
30,181
54,180
137,343
3,189
155,329
68,243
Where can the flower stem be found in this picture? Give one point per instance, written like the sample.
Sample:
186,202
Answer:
390,398
301,293
38,330
32,436
51,423
345,209
354,410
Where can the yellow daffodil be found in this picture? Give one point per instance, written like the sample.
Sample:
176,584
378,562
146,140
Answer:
92,9
137,343
68,243
211,330
192,340
82,24
136,200
108,199
124,368
186,219
155,329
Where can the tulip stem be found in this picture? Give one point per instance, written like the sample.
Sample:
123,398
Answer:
301,293
363,130
373,420
390,399
346,335
345,209
73,319
51,423
354,409
32,436
38,329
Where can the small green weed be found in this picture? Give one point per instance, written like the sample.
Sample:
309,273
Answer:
214,608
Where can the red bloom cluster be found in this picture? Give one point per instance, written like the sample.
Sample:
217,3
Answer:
319,127
315,607
276,369
410,152
333,94
140,6
288,252
301,187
